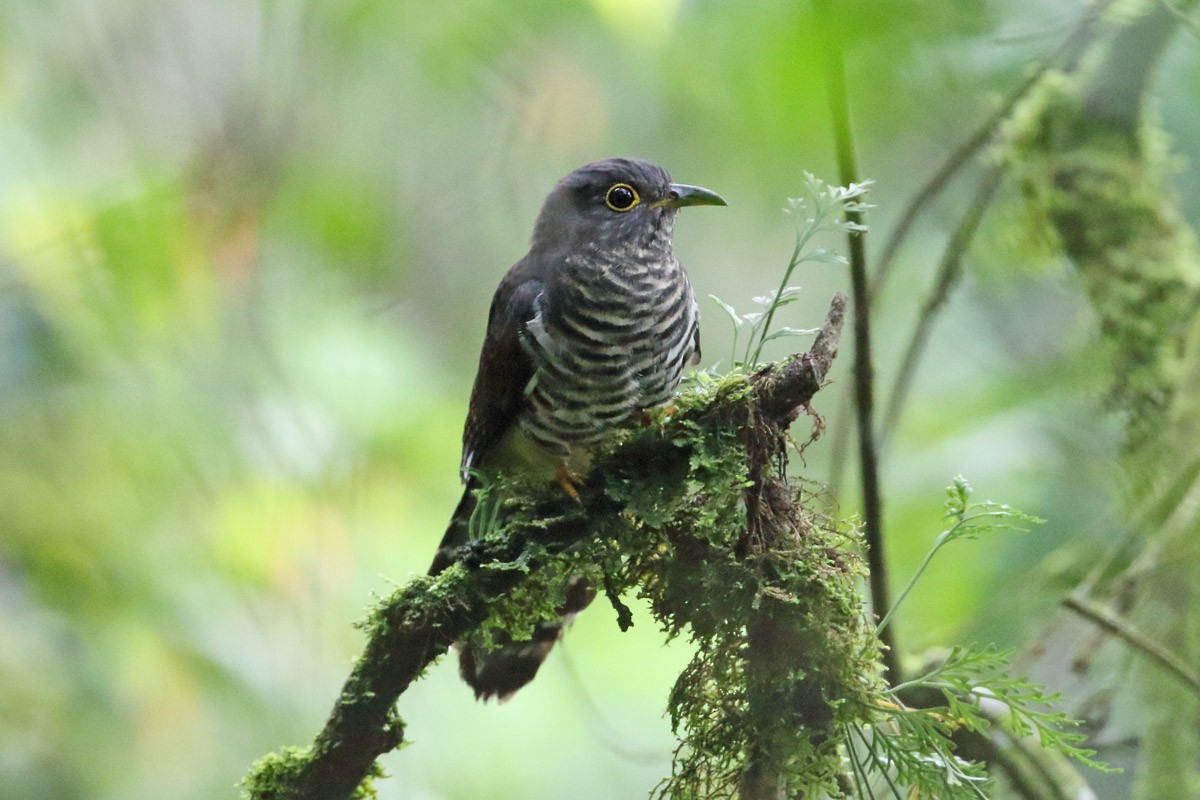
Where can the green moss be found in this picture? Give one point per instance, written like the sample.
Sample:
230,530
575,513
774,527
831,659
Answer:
681,541
366,789
766,591
275,776
272,775
820,670
1103,191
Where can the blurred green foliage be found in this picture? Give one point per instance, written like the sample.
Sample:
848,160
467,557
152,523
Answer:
246,252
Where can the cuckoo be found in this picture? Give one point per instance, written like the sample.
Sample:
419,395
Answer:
592,328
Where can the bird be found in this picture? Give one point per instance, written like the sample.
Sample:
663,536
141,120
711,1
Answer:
587,332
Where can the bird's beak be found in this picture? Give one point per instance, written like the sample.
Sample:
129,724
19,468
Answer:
681,195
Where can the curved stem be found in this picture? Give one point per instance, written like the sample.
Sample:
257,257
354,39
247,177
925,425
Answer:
835,73
1067,54
948,275
943,538
1121,628
766,324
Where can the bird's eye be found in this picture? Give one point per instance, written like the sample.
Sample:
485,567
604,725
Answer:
621,197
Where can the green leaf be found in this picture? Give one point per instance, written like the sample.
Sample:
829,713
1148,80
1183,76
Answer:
981,693
825,256
786,332
958,494
728,309
970,520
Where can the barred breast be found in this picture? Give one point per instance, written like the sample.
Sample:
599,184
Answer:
609,340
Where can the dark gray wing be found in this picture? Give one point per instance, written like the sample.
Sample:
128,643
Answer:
505,368
499,392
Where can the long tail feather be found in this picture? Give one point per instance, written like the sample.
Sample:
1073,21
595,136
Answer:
502,671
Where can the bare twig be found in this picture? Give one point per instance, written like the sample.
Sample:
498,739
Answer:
863,369
1066,54
948,274
1122,628
1189,23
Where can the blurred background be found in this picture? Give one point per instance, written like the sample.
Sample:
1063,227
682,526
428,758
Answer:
246,253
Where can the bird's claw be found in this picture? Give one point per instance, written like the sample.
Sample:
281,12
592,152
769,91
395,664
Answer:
569,481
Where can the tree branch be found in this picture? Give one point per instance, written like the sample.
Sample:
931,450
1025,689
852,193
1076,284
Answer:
1101,616
1066,56
419,622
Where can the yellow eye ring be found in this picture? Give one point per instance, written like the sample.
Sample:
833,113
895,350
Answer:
621,197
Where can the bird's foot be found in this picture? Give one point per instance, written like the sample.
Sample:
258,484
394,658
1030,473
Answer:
569,481
646,417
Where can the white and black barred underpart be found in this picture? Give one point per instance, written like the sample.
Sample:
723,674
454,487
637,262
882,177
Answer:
594,326
610,339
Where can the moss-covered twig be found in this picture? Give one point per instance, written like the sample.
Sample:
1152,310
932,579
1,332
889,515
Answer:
419,622
1095,166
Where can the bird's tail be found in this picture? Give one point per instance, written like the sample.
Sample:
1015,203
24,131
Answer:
502,670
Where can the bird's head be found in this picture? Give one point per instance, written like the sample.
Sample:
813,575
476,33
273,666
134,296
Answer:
615,205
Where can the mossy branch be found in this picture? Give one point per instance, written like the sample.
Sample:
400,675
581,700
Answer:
1093,161
619,515
1096,167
